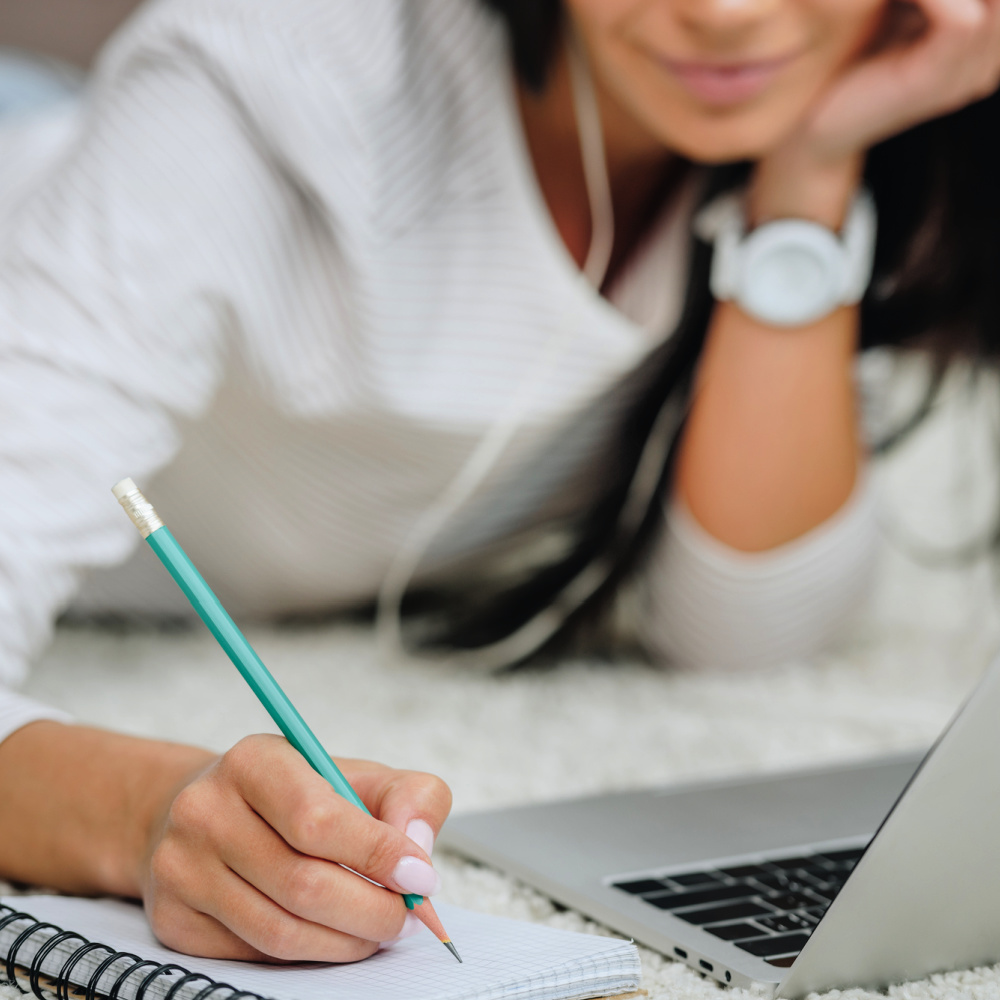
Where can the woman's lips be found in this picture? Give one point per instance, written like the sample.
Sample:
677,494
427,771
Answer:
721,84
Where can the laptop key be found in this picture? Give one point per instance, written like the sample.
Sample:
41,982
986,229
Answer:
813,872
693,878
676,900
640,886
789,900
745,871
827,892
842,869
782,963
735,932
784,922
721,914
785,863
781,881
785,944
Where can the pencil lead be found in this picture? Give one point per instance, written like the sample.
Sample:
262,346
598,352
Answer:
452,949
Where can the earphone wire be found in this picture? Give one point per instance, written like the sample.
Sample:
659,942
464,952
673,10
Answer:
534,633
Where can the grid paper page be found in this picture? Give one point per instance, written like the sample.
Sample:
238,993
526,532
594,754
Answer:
501,959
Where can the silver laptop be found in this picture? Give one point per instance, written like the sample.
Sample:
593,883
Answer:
862,875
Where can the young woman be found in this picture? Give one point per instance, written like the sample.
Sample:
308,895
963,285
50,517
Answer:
380,296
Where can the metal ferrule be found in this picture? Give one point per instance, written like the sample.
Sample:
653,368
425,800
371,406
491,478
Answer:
142,512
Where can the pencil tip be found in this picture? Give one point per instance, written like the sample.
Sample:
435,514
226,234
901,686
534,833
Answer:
424,912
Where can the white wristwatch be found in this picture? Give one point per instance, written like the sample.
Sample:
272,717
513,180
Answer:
789,272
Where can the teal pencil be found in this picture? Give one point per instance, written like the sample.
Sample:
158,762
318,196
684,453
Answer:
250,665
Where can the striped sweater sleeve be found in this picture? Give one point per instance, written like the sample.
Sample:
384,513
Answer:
704,604
122,281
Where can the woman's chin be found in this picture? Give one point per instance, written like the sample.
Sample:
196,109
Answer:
713,147
724,136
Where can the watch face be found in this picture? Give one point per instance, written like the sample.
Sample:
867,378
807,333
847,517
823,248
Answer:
793,273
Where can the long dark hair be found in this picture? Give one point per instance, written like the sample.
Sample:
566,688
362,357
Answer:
936,287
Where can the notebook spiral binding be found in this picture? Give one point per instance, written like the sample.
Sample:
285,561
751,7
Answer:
57,936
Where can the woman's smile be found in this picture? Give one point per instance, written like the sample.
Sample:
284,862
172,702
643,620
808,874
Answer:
720,84
720,80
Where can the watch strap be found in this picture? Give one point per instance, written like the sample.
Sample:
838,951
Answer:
723,223
858,237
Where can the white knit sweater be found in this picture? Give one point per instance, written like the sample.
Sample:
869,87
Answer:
285,268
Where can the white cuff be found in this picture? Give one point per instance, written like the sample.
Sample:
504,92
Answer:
706,604
17,711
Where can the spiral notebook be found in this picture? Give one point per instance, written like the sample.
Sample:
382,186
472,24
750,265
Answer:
105,948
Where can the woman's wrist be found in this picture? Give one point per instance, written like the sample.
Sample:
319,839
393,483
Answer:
111,785
791,184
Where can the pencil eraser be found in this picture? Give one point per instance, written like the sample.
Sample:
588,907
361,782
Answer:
122,488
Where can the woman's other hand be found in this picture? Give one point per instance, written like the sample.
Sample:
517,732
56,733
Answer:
928,58
250,858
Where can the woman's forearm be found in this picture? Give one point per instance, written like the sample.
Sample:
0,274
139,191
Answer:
771,446
78,804
250,854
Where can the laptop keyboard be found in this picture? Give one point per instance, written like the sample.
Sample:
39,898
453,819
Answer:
768,909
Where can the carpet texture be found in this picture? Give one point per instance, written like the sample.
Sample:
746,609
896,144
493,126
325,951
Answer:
589,726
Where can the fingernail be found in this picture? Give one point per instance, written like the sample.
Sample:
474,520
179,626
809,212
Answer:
411,926
420,832
416,876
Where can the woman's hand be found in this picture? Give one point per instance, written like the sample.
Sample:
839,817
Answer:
931,57
250,859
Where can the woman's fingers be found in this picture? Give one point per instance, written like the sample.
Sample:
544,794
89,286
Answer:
318,891
310,817
229,918
232,866
912,76
957,60
412,801
254,857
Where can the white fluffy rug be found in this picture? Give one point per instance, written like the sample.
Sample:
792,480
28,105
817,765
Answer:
586,727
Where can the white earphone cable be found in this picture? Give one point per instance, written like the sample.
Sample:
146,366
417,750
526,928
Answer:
484,457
